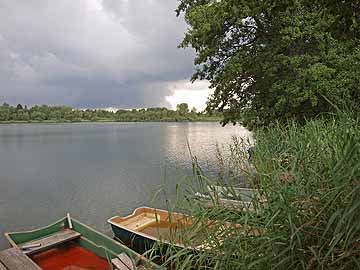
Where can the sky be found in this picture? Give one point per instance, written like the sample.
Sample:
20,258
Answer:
96,54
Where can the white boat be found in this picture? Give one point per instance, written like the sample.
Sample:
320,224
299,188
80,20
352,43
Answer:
234,198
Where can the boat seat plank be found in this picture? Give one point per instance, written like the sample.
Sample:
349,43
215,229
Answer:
49,241
119,265
2,267
140,222
123,261
14,259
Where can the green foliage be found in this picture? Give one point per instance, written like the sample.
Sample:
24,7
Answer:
309,175
60,114
182,108
275,60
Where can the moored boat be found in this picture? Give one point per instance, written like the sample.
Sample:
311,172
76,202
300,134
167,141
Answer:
233,198
209,202
146,227
69,244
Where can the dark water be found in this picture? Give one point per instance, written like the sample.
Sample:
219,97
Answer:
93,171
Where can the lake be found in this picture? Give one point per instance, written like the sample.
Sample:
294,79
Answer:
94,170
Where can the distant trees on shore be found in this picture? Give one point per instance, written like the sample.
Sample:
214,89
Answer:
45,113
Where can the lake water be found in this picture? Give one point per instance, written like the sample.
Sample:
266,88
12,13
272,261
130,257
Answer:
94,170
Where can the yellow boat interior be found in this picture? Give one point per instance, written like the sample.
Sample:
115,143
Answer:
156,223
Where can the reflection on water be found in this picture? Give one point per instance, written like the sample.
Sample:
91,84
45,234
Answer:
202,139
93,171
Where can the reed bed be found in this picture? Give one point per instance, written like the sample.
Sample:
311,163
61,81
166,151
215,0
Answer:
307,215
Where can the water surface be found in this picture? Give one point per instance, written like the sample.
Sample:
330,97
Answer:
93,170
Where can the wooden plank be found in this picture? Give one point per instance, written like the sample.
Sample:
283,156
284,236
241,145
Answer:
2,267
126,260
123,261
14,259
118,264
139,222
49,241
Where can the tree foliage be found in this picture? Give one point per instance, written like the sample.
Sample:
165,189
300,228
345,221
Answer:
46,113
275,60
182,108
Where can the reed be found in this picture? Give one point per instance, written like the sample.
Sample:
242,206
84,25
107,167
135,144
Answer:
310,177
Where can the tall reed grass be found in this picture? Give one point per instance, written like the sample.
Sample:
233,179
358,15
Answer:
309,176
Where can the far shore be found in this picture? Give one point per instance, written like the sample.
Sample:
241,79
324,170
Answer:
102,121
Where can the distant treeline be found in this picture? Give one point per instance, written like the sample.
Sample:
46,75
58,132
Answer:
59,114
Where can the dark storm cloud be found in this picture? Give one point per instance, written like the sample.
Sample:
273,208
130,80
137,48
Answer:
90,53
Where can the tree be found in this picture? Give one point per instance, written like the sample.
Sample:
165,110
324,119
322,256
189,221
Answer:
275,60
4,112
182,108
38,116
55,115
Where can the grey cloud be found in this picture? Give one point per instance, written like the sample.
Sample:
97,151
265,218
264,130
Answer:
90,53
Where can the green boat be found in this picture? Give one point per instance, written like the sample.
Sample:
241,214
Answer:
69,244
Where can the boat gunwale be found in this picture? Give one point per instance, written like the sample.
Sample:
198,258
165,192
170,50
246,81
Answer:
255,192
7,234
134,253
208,197
235,188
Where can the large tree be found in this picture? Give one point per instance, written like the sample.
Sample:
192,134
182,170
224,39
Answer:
182,108
275,60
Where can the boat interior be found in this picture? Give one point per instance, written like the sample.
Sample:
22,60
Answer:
69,256
156,223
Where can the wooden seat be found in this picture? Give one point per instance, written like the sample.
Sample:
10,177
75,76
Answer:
49,241
140,222
123,262
14,259
2,267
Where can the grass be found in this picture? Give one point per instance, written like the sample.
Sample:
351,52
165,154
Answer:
310,177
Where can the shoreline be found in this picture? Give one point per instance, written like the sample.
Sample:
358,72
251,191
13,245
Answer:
110,121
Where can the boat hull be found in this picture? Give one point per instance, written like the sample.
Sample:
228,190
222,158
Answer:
139,243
